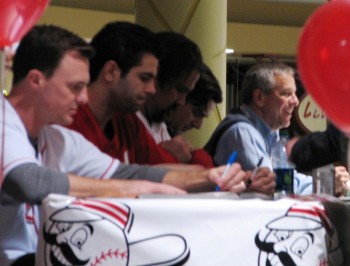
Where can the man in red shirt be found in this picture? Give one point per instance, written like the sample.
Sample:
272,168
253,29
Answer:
122,76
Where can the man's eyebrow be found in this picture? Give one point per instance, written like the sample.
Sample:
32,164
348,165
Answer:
78,82
148,74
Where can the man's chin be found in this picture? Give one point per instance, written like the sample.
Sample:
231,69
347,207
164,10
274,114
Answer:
141,102
64,122
130,110
286,125
183,130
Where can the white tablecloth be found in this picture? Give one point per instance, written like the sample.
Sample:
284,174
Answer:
185,231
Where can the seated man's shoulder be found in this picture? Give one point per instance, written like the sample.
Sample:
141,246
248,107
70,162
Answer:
242,128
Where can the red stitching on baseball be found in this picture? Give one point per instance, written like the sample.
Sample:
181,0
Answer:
109,255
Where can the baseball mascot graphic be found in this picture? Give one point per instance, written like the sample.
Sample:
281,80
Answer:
290,239
95,233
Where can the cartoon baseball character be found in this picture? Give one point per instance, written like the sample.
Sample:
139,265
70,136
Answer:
95,233
290,240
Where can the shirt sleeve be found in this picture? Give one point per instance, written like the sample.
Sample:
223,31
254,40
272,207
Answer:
133,171
149,152
15,147
31,183
249,144
202,157
70,152
319,148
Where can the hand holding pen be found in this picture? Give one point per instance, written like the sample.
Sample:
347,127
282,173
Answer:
230,161
251,179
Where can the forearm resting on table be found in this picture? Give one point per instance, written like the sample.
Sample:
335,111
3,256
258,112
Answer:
192,181
87,187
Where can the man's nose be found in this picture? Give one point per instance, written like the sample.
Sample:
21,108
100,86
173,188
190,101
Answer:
83,96
197,122
150,88
295,100
181,99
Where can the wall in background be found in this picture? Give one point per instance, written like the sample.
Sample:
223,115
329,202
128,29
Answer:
244,38
262,39
81,21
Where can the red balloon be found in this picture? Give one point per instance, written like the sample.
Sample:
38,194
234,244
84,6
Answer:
17,17
324,60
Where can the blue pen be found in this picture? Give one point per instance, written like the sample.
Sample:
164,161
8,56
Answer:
230,161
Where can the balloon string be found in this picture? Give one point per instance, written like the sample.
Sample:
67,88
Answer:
2,69
348,156
2,166
2,84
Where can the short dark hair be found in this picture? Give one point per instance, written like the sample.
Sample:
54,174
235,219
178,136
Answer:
207,88
123,42
43,48
261,76
179,57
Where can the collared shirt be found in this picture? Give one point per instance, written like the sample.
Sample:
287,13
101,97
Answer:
253,141
59,149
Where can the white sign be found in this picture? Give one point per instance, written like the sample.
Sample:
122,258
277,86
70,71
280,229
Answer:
183,231
310,116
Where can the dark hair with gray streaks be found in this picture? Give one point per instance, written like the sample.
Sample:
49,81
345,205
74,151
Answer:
262,76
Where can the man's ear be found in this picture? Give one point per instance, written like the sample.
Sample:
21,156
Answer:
111,71
258,97
35,78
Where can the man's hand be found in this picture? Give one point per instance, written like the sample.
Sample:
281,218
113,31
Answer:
263,182
179,147
341,179
233,181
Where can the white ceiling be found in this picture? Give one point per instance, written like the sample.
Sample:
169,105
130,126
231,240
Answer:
272,12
